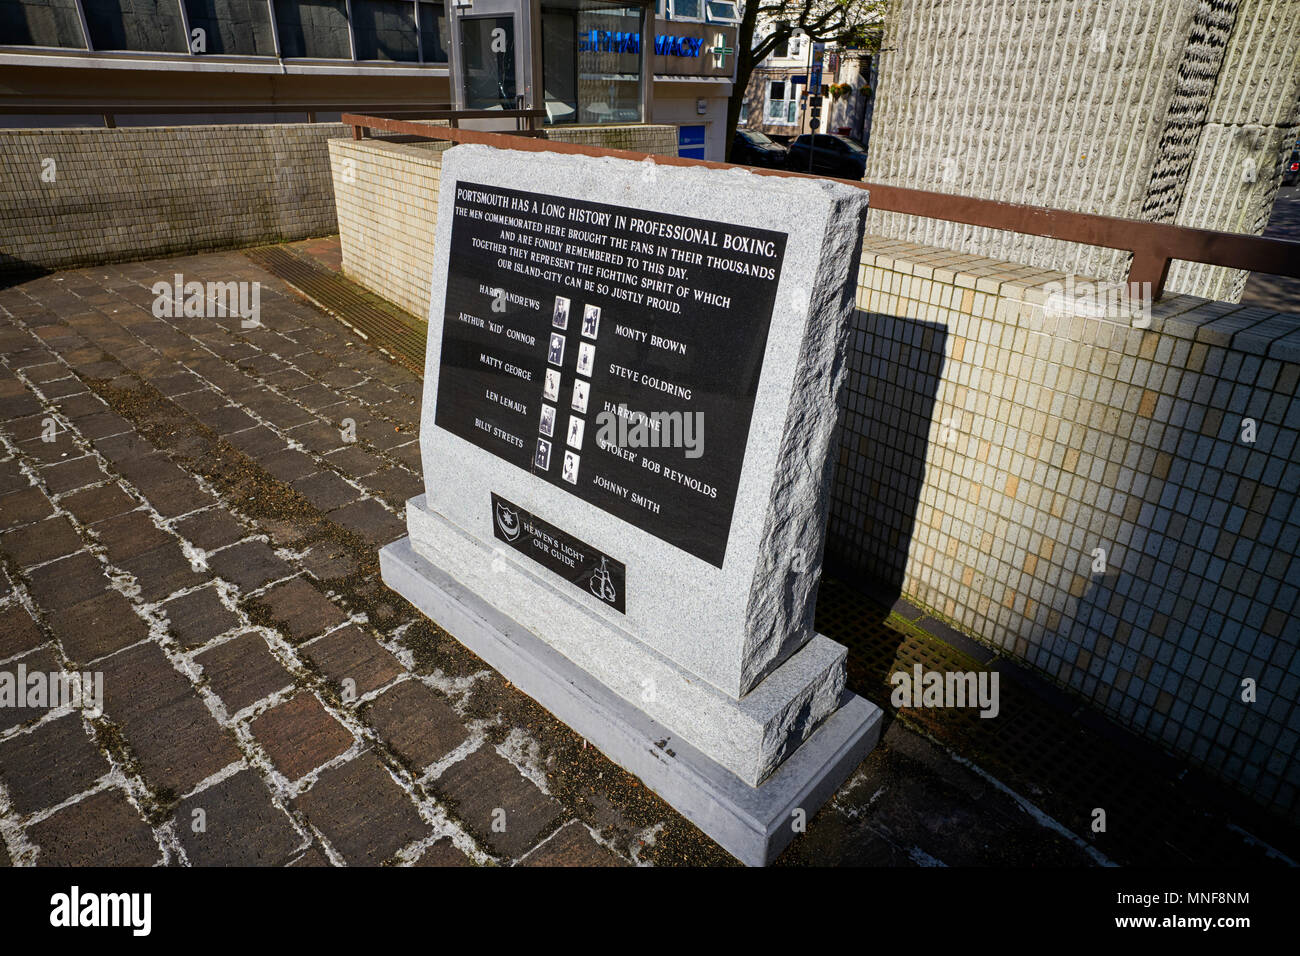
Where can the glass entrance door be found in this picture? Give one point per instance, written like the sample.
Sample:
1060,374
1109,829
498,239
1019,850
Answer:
487,50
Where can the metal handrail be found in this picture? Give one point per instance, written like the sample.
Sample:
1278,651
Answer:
389,123
1152,244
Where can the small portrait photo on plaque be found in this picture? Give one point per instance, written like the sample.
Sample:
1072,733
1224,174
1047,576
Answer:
576,426
581,391
586,357
556,353
590,321
551,388
542,460
548,420
570,472
560,317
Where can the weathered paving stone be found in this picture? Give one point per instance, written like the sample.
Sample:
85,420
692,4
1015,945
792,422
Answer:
317,437
416,723
354,462
572,845
176,383
197,617
40,450
362,811
101,830
52,763
242,671
443,853
302,610
67,581
40,542
396,485
250,565
96,504
124,448
97,626
61,387
257,441
23,507
200,400
225,419
288,465
485,782
177,739
128,535
81,406
12,478
210,529
325,490
103,425
240,825
17,406
175,498
313,857
18,632
351,654
369,519
327,562
162,571
151,471
74,473
300,735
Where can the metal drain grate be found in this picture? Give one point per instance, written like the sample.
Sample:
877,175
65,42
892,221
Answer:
382,324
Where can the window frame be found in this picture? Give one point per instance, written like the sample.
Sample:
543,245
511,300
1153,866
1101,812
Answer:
735,13
786,120
674,15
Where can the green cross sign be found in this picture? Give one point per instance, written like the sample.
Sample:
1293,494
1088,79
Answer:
720,51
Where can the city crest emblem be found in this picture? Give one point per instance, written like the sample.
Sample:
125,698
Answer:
507,521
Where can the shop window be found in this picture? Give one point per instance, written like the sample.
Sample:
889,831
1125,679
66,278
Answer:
145,26
313,28
232,27
41,23
592,57
433,28
385,30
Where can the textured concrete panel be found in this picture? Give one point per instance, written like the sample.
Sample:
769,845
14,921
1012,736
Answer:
1100,108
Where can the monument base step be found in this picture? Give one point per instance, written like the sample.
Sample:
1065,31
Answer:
754,824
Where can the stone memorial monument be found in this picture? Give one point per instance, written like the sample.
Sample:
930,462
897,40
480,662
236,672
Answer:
629,404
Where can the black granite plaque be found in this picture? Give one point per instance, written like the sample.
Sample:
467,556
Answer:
575,561
612,352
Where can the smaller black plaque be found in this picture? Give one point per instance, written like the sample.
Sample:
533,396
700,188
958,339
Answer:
576,561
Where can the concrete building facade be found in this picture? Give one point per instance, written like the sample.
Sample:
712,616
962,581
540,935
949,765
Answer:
1171,111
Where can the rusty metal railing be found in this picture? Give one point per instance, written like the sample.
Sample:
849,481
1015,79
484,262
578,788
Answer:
1153,245
404,123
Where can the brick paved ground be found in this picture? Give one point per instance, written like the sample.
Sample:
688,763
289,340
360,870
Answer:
184,510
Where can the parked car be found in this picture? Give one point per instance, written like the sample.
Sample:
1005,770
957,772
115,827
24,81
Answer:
752,148
1291,169
832,155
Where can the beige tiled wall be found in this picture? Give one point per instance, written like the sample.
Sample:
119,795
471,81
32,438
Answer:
71,197
994,441
386,194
